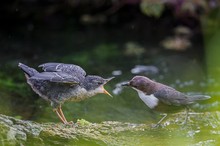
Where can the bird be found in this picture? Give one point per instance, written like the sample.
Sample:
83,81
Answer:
162,98
60,82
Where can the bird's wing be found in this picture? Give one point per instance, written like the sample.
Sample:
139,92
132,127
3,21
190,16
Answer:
71,69
58,77
171,96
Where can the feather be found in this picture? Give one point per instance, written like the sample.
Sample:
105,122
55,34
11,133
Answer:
150,100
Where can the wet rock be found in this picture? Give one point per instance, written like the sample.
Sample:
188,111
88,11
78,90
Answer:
17,131
117,72
20,132
144,69
118,88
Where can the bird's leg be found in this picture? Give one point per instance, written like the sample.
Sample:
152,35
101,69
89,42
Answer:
187,114
61,113
58,114
59,109
158,123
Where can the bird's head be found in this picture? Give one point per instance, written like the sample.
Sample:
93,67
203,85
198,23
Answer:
139,83
95,84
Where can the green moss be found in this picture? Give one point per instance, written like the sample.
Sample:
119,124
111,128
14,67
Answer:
83,122
14,131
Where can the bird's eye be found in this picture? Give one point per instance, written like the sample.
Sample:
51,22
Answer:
98,82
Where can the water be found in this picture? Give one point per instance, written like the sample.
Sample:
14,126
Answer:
183,71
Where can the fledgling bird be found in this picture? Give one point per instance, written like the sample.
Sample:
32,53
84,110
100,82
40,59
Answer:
61,82
161,97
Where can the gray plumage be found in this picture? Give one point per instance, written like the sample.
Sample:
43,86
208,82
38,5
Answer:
70,69
60,82
171,96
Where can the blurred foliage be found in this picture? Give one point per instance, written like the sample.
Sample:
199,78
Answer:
152,8
211,33
134,49
78,57
95,11
98,15
15,96
105,52
99,54
9,84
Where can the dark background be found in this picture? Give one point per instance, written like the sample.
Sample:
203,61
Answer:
103,36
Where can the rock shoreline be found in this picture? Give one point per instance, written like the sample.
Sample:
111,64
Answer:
21,132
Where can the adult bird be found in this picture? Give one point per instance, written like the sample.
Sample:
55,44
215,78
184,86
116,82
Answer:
161,97
61,82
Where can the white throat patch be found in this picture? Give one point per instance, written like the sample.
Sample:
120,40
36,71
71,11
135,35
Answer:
150,100
96,91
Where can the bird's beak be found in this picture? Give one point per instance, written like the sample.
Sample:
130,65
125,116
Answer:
105,91
125,84
109,79
106,81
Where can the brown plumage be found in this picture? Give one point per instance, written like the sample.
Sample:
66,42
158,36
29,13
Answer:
161,97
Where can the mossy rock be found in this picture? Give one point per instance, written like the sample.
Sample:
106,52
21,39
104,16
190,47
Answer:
21,132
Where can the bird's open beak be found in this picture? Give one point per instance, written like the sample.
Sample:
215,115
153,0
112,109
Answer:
109,79
105,91
106,81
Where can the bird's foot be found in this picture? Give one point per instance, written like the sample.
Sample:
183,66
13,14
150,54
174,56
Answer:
156,125
183,124
70,123
159,122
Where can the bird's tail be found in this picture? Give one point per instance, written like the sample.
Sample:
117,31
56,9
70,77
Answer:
198,97
27,70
